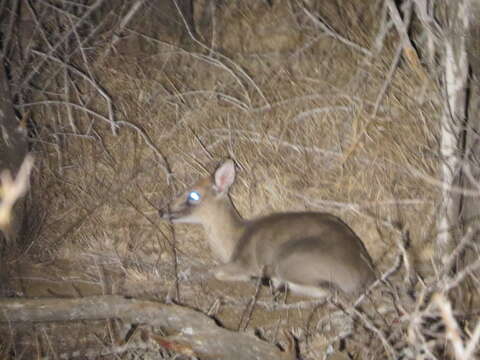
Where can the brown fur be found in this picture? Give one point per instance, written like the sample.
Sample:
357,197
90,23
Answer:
305,250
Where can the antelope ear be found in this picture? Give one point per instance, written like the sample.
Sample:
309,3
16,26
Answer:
224,176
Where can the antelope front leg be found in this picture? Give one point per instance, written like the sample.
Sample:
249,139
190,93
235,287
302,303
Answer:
232,272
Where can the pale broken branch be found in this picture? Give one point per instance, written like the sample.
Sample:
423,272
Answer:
452,329
13,189
187,331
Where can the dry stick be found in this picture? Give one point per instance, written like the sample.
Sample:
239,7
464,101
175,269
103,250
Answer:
380,334
68,103
155,225
383,279
379,99
250,308
236,102
472,344
402,29
270,305
401,244
258,138
49,342
438,183
461,275
58,8
415,316
452,329
368,324
221,56
320,110
384,29
88,78
219,64
399,24
106,351
321,24
126,19
8,35
351,205
173,244
467,171
432,29
449,262
61,41
192,330
67,57
298,99
97,86
228,98
151,145
43,35
66,86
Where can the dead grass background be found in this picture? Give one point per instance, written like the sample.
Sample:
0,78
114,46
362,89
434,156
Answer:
293,106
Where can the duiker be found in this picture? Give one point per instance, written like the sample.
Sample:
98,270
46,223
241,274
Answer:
310,252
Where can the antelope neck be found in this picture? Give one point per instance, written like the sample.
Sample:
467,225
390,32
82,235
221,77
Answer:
224,227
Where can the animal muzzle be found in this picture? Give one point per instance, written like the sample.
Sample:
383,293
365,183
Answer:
165,214
171,215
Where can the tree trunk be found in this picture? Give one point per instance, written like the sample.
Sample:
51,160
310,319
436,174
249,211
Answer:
470,210
453,123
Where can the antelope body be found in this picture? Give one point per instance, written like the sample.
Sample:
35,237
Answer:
307,251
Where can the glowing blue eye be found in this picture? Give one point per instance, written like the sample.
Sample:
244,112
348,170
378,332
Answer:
194,196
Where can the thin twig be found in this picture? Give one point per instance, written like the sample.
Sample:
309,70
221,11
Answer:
251,306
7,37
258,138
317,20
312,112
378,101
123,23
60,41
68,103
468,270
87,78
221,56
161,160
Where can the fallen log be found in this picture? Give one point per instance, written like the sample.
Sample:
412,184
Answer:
188,331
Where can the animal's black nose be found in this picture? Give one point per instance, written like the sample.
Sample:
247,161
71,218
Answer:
164,214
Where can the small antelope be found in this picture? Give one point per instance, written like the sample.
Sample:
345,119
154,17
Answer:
308,252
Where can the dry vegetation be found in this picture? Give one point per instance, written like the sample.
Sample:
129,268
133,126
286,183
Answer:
314,119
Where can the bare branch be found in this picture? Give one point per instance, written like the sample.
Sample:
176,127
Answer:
116,38
402,28
61,41
322,25
453,331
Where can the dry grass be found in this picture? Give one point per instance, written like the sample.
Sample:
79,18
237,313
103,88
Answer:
296,110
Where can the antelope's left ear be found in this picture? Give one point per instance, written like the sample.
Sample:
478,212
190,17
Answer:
224,176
